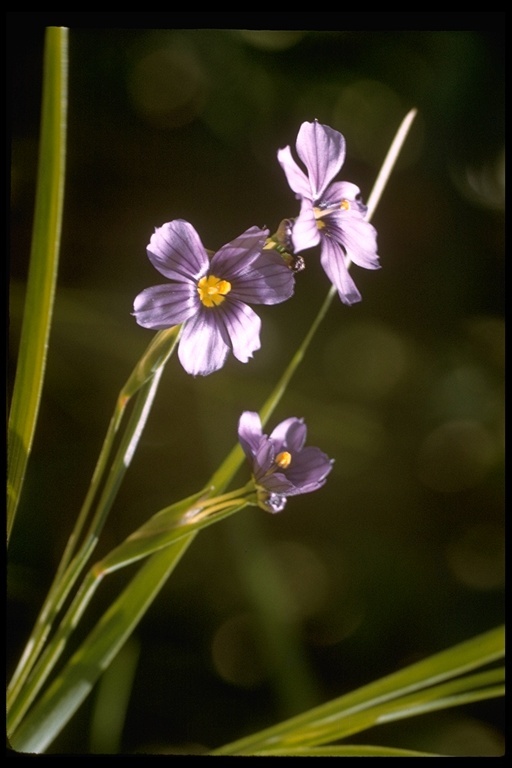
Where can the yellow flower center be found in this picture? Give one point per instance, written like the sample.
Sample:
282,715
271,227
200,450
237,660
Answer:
321,212
283,459
212,290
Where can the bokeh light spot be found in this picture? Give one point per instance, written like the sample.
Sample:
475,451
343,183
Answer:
488,336
477,558
469,737
367,360
305,576
455,456
167,86
235,652
336,624
368,113
464,392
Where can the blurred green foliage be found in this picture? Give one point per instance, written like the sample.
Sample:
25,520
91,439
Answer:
401,554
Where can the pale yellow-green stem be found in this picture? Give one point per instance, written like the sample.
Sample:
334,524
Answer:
163,529
144,382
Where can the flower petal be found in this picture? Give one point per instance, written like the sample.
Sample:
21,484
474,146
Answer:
297,179
289,434
348,225
345,190
266,280
305,233
308,470
262,461
322,150
249,432
177,252
235,258
333,262
163,306
203,347
242,326
276,482
358,237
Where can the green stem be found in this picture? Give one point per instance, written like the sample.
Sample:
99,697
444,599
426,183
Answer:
156,355
65,694
389,163
144,380
199,514
61,588
99,471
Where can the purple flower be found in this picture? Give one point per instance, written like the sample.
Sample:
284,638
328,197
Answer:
281,465
331,214
211,298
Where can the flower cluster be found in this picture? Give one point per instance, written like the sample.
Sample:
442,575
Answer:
281,465
211,298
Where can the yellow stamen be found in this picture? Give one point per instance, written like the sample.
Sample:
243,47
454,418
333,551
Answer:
212,290
321,212
283,459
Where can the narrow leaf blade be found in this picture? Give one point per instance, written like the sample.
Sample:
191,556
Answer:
43,266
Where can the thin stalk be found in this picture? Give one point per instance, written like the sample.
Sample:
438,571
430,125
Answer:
143,380
389,163
156,355
199,515
62,586
106,450
272,402
68,690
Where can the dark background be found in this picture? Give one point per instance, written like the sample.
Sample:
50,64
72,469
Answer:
401,553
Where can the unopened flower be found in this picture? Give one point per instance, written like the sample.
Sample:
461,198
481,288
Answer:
331,214
281,465
211,297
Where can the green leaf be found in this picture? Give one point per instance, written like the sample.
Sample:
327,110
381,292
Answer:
75,682
112,699
350,750
161,530
43,266
389,698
